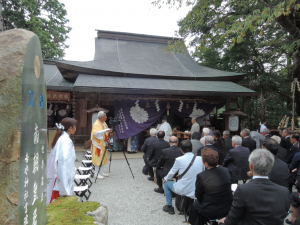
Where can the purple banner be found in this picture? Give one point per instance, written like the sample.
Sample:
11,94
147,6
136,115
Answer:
198,110
135,117
139,115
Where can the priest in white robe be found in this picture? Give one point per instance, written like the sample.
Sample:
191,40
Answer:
165,126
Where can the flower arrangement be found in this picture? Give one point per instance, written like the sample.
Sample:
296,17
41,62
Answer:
286,122
281,124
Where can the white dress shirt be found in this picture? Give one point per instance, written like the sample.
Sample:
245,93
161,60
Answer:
186,185
262,127
263,177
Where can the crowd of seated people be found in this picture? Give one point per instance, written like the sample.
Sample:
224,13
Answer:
204,170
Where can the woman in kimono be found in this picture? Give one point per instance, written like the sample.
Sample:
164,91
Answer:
61,163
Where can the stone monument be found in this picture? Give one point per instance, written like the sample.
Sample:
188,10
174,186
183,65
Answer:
23,129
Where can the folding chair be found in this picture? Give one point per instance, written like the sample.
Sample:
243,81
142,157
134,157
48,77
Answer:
83,180
85,171
88,157
86,163
183,202
82,191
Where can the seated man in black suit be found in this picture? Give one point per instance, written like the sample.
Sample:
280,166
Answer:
237,160
260,201
279,173
294,149
166,162
247,141
156,150
146,148
213,190
286,140
266,133
228,141
209,140
282,153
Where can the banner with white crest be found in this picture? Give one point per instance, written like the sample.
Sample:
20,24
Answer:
139,115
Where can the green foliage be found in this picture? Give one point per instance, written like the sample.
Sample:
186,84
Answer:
256,37
46,18
67,210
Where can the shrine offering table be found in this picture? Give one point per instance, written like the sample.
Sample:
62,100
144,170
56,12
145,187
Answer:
180,134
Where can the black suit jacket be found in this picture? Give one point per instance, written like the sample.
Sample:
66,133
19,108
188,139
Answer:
211,147
228,144
156,151
166,161
286,144
146,148
249,143
213,191
222,150
261,202
279,173
237,162
293,151
282,154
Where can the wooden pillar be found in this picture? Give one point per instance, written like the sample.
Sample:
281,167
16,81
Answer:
243,105
227,116
250,113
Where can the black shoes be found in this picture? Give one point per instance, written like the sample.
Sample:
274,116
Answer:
159,190
151,178
169,209
288,221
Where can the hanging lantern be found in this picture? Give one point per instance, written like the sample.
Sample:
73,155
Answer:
147,105
187,106
168,107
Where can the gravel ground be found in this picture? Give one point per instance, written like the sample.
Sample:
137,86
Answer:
132,201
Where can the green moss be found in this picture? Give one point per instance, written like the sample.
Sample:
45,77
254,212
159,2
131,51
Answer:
67,210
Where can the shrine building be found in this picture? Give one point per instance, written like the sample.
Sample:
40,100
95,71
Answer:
134,78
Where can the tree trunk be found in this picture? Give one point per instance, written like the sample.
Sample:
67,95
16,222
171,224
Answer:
296,74
1,18
262,109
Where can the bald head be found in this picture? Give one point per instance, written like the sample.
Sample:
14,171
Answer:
173,140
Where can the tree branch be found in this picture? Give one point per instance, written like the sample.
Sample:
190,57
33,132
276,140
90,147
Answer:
265,3
289,26
273,96
278,91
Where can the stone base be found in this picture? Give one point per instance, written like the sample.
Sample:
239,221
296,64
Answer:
100,215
